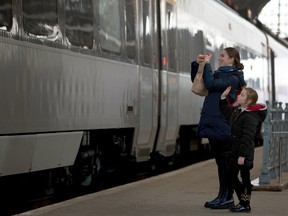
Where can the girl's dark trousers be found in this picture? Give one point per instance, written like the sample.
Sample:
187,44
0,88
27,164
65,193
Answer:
242,188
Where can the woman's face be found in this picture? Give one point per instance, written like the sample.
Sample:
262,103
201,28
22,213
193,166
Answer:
225,60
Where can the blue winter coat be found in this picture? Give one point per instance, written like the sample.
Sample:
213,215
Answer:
213,124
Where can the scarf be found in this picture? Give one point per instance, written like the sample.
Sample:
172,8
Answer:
225,69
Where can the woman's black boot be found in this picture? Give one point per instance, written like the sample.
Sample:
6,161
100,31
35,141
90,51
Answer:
215,201
225,201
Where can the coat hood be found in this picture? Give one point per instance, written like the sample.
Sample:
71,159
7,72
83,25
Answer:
260,109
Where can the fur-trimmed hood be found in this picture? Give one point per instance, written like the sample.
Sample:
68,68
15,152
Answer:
261,110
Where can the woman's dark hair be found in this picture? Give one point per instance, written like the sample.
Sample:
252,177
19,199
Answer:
233,53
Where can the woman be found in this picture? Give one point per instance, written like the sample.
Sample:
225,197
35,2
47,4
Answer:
245,120
212,124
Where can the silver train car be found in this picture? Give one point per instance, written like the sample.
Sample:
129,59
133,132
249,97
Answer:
86,85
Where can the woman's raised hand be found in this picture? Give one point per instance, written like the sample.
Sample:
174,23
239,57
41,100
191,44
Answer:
203,58
226,92
200,58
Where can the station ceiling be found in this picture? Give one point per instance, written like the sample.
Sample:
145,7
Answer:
249,9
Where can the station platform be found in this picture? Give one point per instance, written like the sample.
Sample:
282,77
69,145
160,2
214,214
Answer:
178,193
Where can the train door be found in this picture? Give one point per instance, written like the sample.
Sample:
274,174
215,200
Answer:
168,130
148,72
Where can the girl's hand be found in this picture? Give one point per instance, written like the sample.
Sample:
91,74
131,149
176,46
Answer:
241,160
226,92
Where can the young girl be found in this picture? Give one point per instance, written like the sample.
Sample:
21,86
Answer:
245,119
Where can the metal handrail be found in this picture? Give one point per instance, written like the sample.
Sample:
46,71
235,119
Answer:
275,143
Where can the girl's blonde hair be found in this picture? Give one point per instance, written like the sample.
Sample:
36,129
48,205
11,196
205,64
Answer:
252,95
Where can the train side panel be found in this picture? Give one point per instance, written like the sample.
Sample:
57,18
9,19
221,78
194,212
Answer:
46,90
30,153
51,89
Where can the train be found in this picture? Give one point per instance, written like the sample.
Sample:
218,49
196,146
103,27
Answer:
86,86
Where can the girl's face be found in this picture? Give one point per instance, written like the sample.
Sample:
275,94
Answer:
225,60
242,98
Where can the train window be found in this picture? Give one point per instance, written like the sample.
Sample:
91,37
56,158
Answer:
40,18
110,29
6,15
155,46
130,28
194,41
197,43
171,31
79,23
244,54
146,28
185,55
209,42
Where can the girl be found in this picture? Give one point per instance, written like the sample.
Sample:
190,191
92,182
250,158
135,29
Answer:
245,119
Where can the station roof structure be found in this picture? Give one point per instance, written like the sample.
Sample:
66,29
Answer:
248,9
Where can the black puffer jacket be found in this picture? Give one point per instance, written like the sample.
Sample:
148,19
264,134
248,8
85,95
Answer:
244,125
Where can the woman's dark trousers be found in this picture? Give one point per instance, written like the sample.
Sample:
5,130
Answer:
224,199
